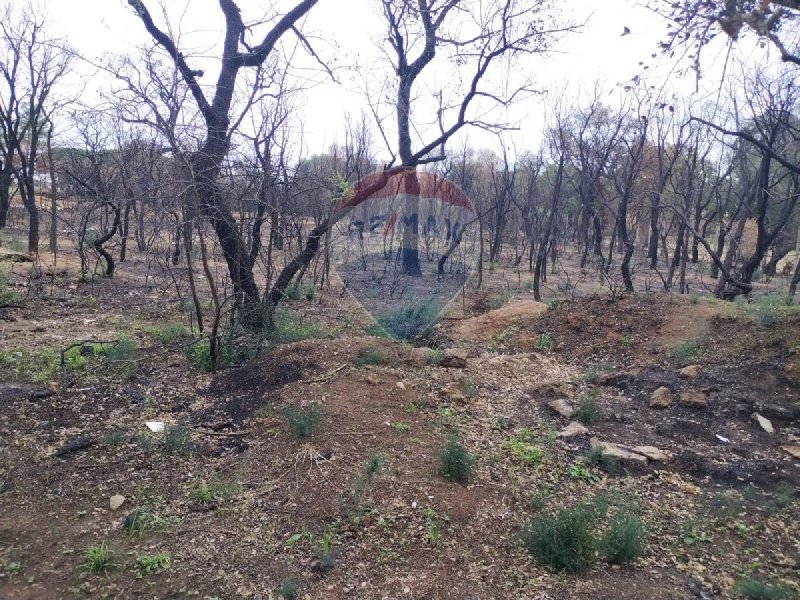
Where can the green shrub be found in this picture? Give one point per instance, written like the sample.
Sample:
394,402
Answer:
686,351
456,463
114,438
372,355
588,412
624,541
122,354
137,522
604,462
753,589
374,465
499,299
410,321
7,295
768,310
98,559
298,291
564,541
199,354
178,439
302,420
289,589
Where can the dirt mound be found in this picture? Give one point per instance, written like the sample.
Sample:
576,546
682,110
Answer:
519,311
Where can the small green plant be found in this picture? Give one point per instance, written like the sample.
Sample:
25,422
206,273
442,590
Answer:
216,489
433,529
626,339
588,412
506,334
374,465
290,327
98,559
544,341
624,541
123,355
579,471
326,554
352,504
782,497
169,333
178,439
10,567
302,420
377,330
298,291
151,564
499,299
289,590
753,589
686,351
202,494
522,450
435,356
410,321
564,540
137,522
114,438
372,355
401,427
456,464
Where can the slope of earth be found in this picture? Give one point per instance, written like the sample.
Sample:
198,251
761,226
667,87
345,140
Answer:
358,508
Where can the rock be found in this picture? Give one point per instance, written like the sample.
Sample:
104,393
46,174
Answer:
453,393
116,501
765,423
572,430
694,399
619,452
420,356
562,407
75,444
454,359
652,452
690,372
661,398
401,385
373,380
793,451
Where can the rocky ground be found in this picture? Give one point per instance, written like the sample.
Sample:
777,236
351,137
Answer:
691,407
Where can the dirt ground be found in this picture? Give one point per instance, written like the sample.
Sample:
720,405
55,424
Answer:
720,503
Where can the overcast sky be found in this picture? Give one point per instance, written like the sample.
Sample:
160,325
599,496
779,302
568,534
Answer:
349,32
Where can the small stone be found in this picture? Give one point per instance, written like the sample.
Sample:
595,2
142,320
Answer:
453,393
572,430
562,407
618,452
661,398
116,501
694,399
690,372
793,451
454,359
651,452
401,385
765,423
372,380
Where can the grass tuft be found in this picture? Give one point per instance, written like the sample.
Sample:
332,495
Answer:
456,463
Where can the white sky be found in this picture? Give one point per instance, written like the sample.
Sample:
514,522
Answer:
347,32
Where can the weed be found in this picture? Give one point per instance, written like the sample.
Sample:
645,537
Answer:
563,541
544,341
123,355
168,333
326,554
202,494
401,427
588,412
10,568
624,541
114,438
538,500
456,463
372,355
522,450
289,589
506,334
144,441
178,439
410,321
753,589
291,327
782,498
297,291
433,528
216,489
626,339
686,351
579,471
7,295
499,299
302,420
150,564
374,465
435,356
351,503
138,522
98,559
